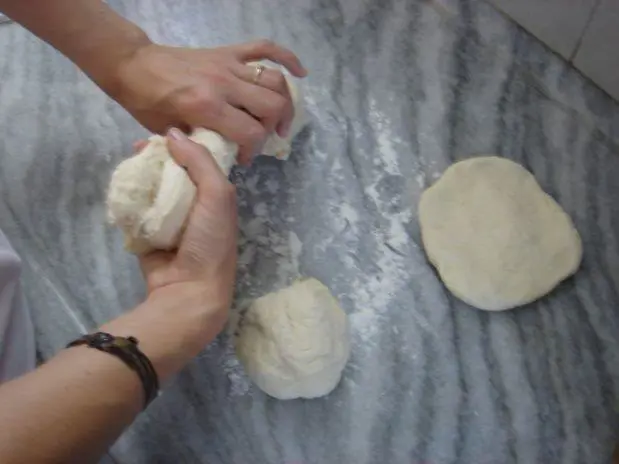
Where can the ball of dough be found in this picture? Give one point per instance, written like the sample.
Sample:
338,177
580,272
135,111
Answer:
150,196
280,147
495,237
294,343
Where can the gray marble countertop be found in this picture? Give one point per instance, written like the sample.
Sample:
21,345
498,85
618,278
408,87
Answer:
399,89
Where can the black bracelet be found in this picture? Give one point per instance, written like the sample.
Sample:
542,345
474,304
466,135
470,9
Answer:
126,349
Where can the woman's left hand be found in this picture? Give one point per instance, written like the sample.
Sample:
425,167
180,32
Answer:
205,262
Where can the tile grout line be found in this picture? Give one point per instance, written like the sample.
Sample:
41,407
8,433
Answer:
584,31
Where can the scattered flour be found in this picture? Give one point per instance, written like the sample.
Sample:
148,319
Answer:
296,248
371,286
386,140
376,288
421,182
285,249
239,383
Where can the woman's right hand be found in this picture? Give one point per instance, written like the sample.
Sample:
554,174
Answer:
205,262
211,88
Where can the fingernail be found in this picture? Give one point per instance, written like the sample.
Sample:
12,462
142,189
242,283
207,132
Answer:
245,161
176,134
283,130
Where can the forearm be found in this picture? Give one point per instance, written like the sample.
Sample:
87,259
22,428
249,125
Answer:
73,408
88,32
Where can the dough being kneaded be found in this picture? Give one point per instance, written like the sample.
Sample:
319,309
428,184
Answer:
294,343
495,237
150,196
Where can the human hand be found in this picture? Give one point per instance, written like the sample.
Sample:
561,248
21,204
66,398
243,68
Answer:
205,262
165,87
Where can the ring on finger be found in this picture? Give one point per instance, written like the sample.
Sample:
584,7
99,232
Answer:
258,73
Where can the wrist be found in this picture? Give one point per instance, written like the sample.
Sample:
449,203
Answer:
107,72
205,303
172,325
200,311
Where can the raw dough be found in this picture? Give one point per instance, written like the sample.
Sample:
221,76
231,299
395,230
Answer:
294,343
150,196
495,237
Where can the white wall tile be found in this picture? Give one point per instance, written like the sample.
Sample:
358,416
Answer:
598,55
558,23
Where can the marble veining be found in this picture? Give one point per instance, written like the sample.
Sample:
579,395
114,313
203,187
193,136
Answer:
399,89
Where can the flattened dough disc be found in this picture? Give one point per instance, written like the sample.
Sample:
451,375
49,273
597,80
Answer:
497,240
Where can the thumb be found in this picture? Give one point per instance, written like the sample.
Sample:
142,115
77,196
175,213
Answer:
197,160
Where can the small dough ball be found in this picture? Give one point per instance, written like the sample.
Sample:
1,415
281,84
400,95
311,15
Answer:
495,237
149,197
280,147
294,343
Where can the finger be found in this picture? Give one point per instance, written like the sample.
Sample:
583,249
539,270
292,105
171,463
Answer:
238,126
268,50
139,145
268,107
199,163
274,80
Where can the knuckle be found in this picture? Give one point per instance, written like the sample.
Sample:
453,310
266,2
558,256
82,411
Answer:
265,44
219,79
277,105
254,133
280,81
186,101
209,105
200,101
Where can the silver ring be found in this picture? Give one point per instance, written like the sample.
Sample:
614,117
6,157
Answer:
259,70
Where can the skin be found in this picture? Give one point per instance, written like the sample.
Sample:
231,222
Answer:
74,407
163,86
